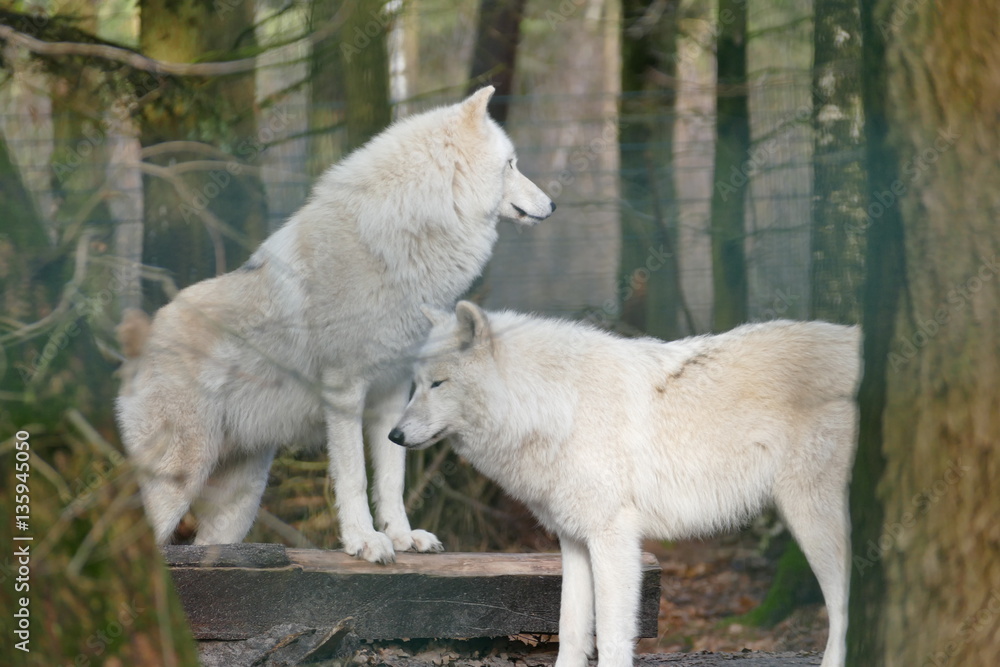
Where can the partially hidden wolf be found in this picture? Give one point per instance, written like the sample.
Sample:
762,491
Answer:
609,440
313,339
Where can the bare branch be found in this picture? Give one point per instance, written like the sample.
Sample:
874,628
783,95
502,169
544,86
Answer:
138,61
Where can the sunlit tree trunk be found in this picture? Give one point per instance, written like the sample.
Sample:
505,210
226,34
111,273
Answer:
837,252
219,111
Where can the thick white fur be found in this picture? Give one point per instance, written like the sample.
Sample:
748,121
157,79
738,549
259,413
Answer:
609,440
319,328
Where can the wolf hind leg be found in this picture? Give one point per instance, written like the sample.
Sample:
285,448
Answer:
171,475
816,512
166,503
227,506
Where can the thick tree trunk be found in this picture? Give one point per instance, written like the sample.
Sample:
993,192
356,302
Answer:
732,146
926,584
650,289
219,111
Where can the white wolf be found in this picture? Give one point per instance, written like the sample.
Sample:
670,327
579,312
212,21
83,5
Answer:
610,440
319,329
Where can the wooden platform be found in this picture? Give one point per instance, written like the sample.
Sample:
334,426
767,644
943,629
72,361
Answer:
239,591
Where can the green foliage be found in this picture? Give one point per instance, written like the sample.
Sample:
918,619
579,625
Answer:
794,585
98,593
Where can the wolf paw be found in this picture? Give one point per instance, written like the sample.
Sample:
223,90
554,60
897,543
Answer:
373,547
417,540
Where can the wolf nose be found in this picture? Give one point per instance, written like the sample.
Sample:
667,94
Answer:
397,436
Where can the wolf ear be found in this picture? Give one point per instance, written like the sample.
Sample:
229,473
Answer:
436,315
473,325
474,106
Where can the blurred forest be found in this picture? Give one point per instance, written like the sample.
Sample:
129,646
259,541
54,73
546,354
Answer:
714,162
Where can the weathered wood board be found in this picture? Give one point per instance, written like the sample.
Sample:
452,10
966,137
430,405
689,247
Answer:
239,591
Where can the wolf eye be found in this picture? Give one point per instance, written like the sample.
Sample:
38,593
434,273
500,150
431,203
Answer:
437,383
510,163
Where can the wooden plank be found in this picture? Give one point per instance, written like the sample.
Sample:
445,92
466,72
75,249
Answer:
242,590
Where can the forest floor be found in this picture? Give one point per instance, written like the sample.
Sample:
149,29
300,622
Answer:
706,583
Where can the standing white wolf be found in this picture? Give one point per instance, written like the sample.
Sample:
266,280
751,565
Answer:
610,440
318,329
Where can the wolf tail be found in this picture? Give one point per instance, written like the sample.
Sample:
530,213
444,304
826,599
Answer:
133,332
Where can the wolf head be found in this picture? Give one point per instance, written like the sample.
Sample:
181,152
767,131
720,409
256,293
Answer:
489,149
451,365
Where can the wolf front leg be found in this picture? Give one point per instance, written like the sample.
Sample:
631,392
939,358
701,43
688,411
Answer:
576,608
389,463
616,558
344,400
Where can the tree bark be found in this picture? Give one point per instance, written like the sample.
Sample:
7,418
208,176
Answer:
366,72
566,98
732,146
837,266
219,111
326,91
650,291
494,57
926,584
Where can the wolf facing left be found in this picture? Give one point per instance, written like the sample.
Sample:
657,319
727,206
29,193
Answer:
313,338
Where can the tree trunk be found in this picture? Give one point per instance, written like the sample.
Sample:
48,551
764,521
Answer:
81,152
651,292
837,266
566,98
366,72
495,54
925,587
732,146
326,97
180,233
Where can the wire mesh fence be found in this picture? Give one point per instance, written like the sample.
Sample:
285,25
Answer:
566,266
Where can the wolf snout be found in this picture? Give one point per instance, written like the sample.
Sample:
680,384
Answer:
397,436
537,217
